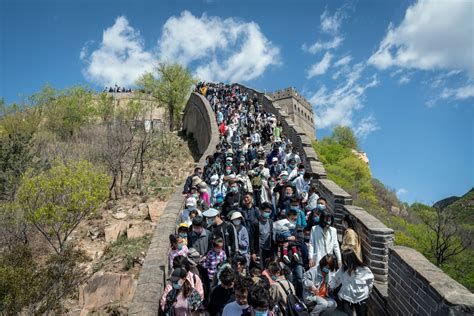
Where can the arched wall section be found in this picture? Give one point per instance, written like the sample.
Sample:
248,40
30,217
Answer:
198,121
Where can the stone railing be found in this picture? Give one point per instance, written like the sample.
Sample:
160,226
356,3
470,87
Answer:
424,284
198,121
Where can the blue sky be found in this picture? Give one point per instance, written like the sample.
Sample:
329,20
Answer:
400,73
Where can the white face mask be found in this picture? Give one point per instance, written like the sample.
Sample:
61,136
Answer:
237,222
244,306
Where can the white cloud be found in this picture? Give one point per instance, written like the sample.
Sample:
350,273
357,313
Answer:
366,126
461,93
433,35
343,61
404,79
331,23
401,191
217,49
321,67
120,58
336,107
224,49
319,46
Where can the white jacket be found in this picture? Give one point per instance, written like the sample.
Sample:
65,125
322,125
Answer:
323,242
355,287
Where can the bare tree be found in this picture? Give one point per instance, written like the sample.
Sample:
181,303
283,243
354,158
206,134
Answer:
447,239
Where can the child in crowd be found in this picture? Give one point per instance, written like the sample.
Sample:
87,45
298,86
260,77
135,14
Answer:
183,233
215,256
178,248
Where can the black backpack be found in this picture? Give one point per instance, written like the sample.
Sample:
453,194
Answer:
294,306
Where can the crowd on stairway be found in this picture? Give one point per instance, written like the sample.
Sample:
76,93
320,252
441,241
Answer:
255,237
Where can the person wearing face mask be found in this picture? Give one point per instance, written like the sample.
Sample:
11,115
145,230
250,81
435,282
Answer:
249,210
240,306
276,168
183,230
350,238
279,288
177,248
242,234
324,240
232,198
260,302
261,240
302,184
316,285
214,257
312,201
181,299
223,230
199,237
222,293
295,173
291,166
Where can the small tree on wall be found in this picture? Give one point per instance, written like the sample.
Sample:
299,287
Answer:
171,89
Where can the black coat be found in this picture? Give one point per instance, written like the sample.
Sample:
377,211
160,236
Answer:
254,237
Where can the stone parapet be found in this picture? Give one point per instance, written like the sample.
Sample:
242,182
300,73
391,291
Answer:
418,287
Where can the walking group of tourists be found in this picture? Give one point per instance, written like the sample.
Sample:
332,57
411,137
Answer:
255,237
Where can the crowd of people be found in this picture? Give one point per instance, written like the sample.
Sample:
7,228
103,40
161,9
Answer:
117,89
255,237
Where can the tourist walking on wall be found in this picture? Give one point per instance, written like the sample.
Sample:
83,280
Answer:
350,238
357,281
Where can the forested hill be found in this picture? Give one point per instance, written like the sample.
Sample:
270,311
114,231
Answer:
442,232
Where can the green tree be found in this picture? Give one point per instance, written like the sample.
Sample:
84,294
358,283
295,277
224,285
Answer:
57,200
18,126
171,90
446,239
344,136
67,110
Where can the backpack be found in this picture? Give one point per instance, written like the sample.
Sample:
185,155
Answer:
294,306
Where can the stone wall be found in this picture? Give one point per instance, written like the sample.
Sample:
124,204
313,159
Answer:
418,287
406,283
200,121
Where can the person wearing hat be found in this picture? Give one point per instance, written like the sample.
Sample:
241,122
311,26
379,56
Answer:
273,154
193,273
190,205
276,167
183,230
242,234
204,200
215,187
188,184
182,299
221,229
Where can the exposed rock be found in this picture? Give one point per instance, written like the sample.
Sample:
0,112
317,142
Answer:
119,215
114,230
93,233
104,288
139,230
395,210
155,209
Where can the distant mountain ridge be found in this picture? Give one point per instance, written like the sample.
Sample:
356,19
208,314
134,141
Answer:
442,204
